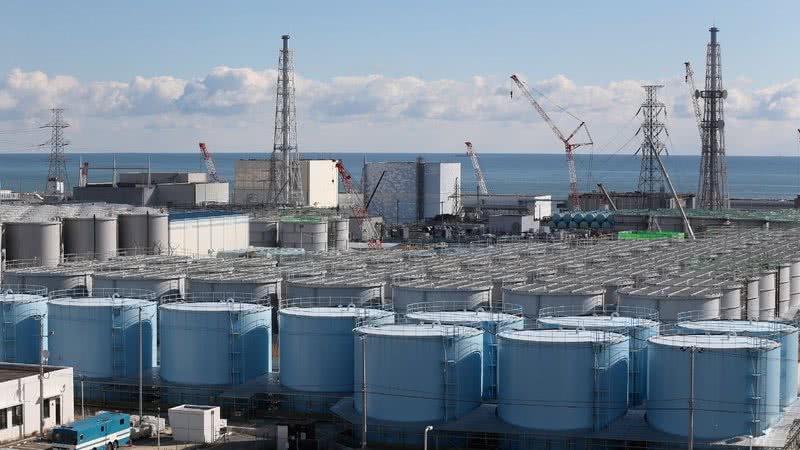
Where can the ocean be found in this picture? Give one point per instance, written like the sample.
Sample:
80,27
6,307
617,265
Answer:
748,176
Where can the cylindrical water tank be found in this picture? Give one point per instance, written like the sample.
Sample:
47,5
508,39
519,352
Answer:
366,288
501,281
612,286
393,277
309,235
491,320
23,311
786,335
784,291
143,233
99,335
767,296
339,234
215,342
532,297
639,329
753,309
265,286
794,286
37,243
671,301
730,304
460,291
317,342
161,281
736,384
541,369
93,237
264,233
52,278
419,372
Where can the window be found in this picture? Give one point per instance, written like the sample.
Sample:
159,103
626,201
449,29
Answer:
3,418
102,428
16,415
122,421
46,408
80,438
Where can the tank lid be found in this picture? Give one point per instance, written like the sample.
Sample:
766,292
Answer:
462,317
21,298
598,322
100,301
556,336
713,341
214,306
548,288
418,330
334,311
445,285
737,326
676,292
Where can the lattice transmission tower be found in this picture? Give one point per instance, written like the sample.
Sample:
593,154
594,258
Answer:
286,186
652,130
712,191
57,179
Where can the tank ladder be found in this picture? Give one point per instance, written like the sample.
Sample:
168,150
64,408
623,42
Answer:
117,341
235,340
601,389
9,332
635,387
450,382
759,388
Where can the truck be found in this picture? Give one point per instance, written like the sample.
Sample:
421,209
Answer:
104,431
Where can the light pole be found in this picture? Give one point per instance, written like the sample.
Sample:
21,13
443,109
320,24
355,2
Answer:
692,351
42,357
83,411
363,392
428,429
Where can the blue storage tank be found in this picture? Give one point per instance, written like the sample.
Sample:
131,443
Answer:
490,320
639,329
424,373
23,307
737,385
317,341
99,335
561,380
786,334
215,343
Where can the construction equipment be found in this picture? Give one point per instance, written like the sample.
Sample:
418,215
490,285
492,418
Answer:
211,169
84,174
359,211
482,189
566,140
608,197
686,222
694,98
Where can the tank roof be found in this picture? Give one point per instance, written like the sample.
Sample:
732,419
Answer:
713,341
334,311
457,285
676,292
462,317
349,280
597,322
100,301
737,326
214,306
547,288
21,298
418,330
563,336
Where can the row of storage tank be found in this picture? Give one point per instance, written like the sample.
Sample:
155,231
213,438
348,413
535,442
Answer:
594,220
98,236
313,234
435,363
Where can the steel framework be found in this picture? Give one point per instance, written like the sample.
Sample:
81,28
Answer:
286,187
57,179
652,128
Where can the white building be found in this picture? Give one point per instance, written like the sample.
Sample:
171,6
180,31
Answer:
319,177
205,233
411,191
196,423
19,399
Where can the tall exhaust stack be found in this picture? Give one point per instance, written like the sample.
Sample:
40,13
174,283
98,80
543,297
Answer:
712,191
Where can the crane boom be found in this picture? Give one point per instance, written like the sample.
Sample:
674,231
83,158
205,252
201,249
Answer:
568,146
211,169
694,98
358,209
478,174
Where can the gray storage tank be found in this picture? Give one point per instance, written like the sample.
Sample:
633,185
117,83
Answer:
92,237
671,301
143,233
23,311
367,288
162,282
264,232
767,297
99,335
305,233
65,277
462,291
264,286
545,294
37,243
339,234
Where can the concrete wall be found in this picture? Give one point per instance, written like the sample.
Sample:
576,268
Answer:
396,197
251,181
206,235
320,182
25,391
162,177
513,224
440,186
134,195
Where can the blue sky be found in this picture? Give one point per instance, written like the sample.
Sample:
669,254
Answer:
589,43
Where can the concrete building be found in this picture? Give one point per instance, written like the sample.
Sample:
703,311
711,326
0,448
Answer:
513,224
19,399
539,205
181,189
412,191
320,182
593,201
196,423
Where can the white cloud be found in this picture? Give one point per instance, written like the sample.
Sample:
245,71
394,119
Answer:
368,112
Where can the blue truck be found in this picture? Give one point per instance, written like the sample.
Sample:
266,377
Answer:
105,431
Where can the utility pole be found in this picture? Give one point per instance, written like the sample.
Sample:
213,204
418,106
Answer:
42,357
57,176
651,129
692,354
363,392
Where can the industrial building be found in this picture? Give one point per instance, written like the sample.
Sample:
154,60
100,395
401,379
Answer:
593,201
411,192
20,399
171,189
319,180
537,205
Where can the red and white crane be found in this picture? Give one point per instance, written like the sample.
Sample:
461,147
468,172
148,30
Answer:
211,169
569,146
358,209
482,189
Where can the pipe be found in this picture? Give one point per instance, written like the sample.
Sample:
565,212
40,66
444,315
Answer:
363,392
428,429
675,197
